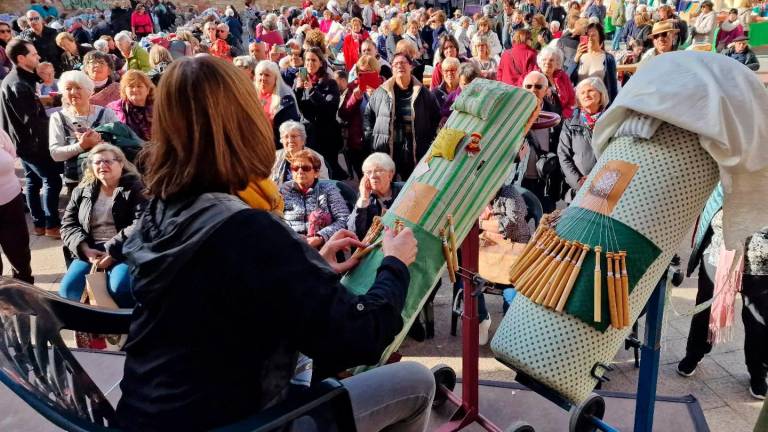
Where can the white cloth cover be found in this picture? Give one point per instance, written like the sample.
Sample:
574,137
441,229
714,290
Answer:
724,103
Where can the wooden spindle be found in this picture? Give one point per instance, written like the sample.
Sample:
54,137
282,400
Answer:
612,299
562,276
598,285
625,286
546,260
547,278
572,279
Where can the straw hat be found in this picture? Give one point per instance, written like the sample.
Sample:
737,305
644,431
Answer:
663,27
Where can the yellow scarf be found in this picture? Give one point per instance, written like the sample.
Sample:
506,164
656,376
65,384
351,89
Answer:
263,194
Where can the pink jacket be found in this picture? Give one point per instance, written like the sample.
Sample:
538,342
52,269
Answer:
515,64
141,23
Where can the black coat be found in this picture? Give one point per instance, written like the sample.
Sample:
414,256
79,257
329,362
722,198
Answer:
379,118
45,44
120,20
287,111
318,107
23,116
204,287
76,223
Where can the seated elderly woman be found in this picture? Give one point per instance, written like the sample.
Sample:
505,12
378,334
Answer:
100,69
276,98
575,149
71,130
135,56
246,64
314,210
98,219
134,108
293,136
377,192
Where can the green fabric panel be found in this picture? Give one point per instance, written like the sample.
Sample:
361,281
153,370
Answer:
425,272
758,34
762,421
585,226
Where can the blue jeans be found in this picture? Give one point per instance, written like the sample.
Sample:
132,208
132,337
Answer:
617,38
118,282
45,176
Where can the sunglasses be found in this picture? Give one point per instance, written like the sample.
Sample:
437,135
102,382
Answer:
661,35
305,168
5,31
536,86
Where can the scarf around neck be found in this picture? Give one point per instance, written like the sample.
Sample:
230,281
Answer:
264,195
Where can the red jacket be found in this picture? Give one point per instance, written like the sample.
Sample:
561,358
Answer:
565,90
351,48
515,64
141,23
350,112
311,20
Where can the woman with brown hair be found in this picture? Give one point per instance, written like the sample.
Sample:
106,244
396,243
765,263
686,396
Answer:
134,108
318,97
212,271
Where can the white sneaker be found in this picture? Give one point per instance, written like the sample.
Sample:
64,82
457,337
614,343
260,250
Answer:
485,327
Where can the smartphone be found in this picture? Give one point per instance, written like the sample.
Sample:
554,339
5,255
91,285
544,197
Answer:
584,40
79,128
303,73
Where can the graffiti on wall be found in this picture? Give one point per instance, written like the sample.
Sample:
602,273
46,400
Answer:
84,4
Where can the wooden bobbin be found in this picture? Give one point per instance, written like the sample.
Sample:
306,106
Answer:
561,278
625,286
612,299
598,286
529,258
547,278
619,287
447,256
572,279
452,244
523,282
545,262
528,247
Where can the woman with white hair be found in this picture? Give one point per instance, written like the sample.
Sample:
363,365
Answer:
575,150
246,64
276,97
268,33
377,192
135,56
549,61
71,130
293,136
481,57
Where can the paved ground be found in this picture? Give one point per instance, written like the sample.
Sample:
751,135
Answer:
720,383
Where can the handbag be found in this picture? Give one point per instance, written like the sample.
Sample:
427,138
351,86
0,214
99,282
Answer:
496,257
96,290
96,294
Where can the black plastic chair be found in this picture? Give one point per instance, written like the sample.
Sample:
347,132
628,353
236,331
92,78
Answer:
347,192
39,368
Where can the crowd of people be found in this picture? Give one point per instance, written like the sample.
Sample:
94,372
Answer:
345,93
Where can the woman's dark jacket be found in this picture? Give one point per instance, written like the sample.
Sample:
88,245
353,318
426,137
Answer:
286,111
360,219
318,107
226,298
76,223
575,150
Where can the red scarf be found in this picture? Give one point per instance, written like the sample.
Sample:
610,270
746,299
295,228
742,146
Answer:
590,119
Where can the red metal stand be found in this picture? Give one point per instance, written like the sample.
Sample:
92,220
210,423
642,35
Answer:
469,407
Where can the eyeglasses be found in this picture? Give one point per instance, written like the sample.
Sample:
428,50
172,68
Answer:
536,86
305,168
5,31
377,171
450,70
97,63
107,162
33,19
